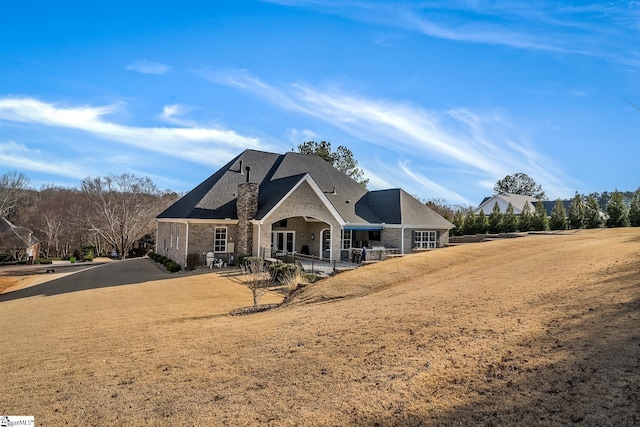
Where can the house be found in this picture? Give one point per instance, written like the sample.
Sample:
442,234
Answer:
18,242
518,202
269,204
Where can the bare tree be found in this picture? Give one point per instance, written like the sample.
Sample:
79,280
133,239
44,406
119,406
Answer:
256,276
12,186
123,208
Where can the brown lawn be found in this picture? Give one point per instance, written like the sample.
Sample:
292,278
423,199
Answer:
540,330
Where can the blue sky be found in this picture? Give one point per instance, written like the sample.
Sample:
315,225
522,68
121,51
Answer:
441,98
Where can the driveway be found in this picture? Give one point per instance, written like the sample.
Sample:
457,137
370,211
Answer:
117,273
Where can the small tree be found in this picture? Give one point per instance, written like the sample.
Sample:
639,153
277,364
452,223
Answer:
540,222
576,212
618,215
458,221
495,219
482,223
592,215
510,220
634,210
256,276
469,226
558,219
524,222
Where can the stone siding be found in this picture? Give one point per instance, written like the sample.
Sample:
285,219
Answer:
247,207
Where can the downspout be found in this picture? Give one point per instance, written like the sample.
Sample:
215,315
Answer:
259,238
186,245
331,245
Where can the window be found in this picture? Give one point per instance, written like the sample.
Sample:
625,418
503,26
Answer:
346,239
171,236
374,235
177,236
425,239
220,239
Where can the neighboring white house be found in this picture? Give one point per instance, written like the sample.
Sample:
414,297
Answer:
517,201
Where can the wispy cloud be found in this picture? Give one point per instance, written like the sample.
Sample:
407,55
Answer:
20,157
146,67
484,144
174,113
589,29
200,144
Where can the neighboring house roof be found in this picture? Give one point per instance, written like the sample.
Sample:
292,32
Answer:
15,237
278,174
517,201
549,205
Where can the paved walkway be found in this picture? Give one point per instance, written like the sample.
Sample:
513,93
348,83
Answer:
117,273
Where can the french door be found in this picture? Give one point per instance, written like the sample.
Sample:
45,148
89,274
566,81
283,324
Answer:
283,242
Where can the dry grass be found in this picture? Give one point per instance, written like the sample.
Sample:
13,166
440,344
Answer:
542,330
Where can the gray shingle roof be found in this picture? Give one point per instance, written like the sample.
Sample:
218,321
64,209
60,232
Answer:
277,174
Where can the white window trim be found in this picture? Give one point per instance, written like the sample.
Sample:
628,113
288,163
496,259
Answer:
344,240
428,239
215,239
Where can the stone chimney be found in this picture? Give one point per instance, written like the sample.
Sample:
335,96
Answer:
247,207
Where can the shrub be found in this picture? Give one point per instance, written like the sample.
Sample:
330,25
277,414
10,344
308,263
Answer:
291,279
279,272
42,261
88,258
193,260
173,267
310,277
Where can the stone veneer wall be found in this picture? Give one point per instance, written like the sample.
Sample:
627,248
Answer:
247,206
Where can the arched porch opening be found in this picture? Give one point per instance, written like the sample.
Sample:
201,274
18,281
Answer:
301,235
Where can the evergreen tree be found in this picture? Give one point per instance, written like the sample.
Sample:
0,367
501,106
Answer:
469,226
634,210
617,211
592,217
540,222
558,219
510,220
495,219
482,223
524,222
576,212
458,221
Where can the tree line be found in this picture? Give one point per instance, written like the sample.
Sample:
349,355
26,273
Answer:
105,214
608,209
